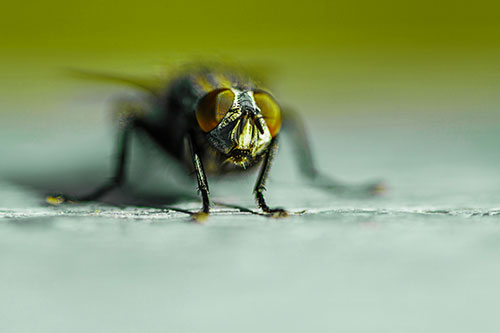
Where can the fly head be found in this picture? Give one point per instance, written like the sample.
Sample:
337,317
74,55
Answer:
239,124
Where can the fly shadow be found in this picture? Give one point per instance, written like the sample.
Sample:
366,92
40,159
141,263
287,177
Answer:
48,187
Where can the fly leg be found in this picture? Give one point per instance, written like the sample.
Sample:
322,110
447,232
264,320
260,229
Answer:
116,180
128,113
294,127
260,186
202,180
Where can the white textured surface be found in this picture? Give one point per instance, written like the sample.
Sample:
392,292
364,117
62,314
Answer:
422,258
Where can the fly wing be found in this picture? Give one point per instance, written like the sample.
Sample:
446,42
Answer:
151,84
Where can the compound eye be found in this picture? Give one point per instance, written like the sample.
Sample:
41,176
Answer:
270,111
213,107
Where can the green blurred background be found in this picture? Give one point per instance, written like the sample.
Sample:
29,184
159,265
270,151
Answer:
379,64
228,26
324,56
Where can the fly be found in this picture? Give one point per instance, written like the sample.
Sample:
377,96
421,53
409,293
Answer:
225,120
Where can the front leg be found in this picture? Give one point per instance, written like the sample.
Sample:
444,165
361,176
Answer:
201,178
260,186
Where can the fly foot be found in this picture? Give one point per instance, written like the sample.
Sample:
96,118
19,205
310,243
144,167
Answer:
200,217
378,188
277,213
56,199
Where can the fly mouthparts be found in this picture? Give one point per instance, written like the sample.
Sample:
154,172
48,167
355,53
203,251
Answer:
240,152
259,126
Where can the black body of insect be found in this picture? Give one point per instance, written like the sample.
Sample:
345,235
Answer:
215,121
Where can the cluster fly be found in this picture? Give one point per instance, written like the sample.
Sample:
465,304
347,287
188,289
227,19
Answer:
215,121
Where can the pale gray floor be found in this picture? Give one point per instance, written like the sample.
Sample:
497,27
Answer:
422,258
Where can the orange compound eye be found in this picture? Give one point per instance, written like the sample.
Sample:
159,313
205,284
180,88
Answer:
213,107
270,111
